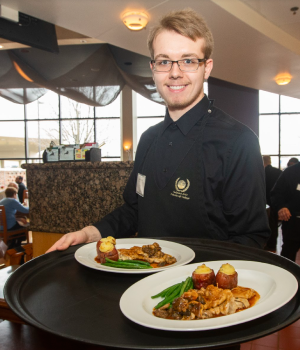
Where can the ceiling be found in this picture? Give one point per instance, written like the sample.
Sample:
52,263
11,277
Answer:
255,40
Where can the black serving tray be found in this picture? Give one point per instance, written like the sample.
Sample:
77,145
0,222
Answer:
57,294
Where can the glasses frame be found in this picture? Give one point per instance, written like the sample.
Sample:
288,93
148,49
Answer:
200,60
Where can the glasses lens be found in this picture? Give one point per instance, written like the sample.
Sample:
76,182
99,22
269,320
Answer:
162,65
188,65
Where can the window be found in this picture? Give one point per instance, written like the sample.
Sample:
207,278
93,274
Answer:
26,130
279,127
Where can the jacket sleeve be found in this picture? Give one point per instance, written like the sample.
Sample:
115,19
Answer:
19,207
123,221
279,193
244,193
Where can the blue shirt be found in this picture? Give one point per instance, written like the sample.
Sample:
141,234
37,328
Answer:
11,207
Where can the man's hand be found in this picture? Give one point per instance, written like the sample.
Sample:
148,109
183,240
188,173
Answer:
86,235
284,214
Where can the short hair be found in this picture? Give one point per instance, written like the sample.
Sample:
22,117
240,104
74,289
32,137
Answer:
185,22
19,177
10,192
293,161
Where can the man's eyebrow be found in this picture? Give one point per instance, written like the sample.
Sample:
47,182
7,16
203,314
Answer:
185,55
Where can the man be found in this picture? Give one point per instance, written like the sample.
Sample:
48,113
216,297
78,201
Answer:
285,198
22,187
12,205
293,161
271,176
199,172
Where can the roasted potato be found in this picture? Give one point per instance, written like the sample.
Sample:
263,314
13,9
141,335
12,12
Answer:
203,276
106,250
227,277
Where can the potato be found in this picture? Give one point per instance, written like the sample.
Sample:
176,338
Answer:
111,254
203,276
227,277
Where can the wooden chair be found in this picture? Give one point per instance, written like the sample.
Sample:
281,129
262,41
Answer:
19,255
8,235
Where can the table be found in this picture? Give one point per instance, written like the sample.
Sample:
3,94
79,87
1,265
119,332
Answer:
57,294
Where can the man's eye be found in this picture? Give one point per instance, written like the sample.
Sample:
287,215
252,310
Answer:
188,61
162,63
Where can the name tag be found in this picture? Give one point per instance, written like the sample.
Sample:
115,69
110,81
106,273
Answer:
140,184
298,187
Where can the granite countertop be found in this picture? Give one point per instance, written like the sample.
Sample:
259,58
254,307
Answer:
66,196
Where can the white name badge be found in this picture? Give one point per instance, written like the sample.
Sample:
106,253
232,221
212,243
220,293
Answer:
140,184
298,187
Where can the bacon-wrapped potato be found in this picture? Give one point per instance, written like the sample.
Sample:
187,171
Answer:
227,277
203,276
106,249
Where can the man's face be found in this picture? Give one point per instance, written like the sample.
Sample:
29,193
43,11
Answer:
180,90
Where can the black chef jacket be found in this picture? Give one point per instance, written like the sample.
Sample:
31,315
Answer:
201,176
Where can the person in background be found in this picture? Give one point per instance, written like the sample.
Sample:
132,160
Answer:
12,205
198,173
293,161
285,199
11,184
22,187
271,176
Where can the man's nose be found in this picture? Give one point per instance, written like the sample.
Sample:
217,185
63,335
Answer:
175,70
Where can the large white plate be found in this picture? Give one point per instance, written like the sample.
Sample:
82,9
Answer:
86,254
275,285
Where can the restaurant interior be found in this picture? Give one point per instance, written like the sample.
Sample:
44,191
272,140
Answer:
84,52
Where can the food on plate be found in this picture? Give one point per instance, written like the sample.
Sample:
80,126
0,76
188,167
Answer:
188,301
196,304
203,276
106,249
147,256
151,253
227,277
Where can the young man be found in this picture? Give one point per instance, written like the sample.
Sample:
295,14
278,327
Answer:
22,187
198,173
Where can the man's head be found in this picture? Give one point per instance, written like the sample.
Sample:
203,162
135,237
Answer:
181,36
266,160
13,184
19,179
186,23
293,161
11,192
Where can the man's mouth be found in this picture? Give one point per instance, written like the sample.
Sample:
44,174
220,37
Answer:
176,87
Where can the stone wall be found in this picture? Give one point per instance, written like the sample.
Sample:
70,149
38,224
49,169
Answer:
66,196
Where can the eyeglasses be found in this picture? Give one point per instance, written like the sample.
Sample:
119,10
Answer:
185,65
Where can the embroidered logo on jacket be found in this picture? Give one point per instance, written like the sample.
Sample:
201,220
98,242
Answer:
181,186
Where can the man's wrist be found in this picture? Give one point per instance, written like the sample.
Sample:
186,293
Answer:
92,234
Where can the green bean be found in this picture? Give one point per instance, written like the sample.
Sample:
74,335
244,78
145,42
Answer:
191,284
135,262
126,266
166,291
124,262
171,297
183,287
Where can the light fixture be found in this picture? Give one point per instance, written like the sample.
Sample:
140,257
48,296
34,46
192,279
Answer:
283,79
135,20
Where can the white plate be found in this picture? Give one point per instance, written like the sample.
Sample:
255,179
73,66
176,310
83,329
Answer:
86,254
275,285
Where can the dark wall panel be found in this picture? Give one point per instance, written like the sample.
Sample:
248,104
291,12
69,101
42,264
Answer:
238,101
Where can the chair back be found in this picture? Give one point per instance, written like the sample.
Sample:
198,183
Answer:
3,218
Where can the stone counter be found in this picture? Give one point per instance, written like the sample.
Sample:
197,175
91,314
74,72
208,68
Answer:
66,196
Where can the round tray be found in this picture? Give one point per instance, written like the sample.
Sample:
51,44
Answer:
57,294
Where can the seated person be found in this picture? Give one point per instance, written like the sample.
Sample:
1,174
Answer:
12,205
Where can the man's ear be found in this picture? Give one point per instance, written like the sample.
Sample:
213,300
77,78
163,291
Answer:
208,68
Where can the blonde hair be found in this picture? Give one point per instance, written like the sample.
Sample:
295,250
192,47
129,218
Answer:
185,22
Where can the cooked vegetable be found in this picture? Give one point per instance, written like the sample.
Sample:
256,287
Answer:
227,277
173,292
125,265
203,276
